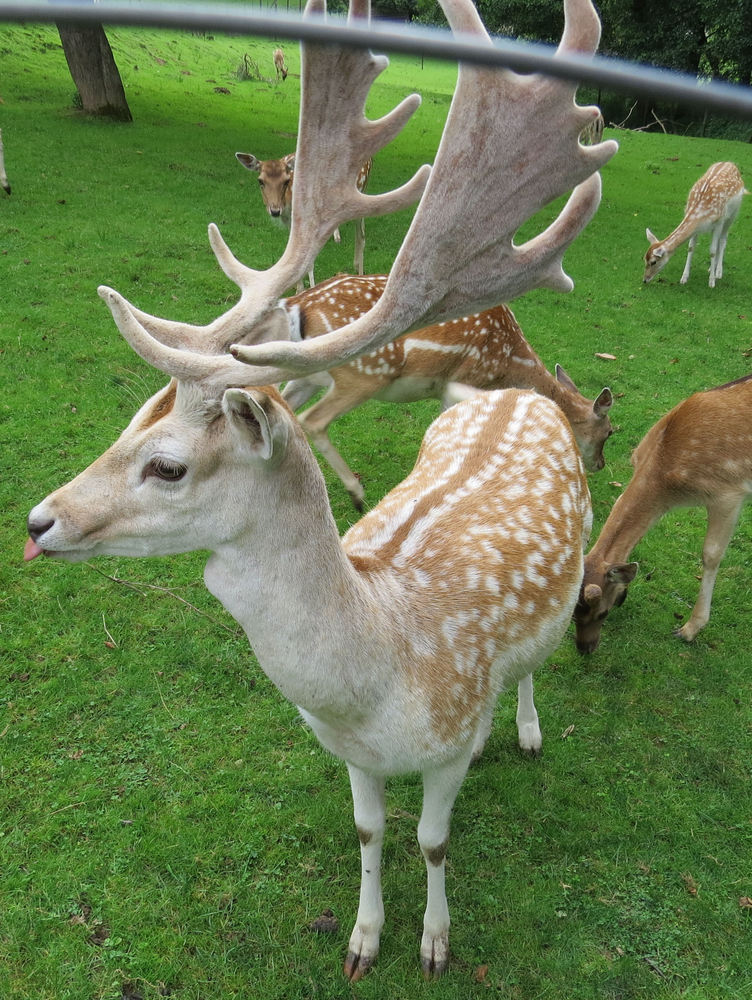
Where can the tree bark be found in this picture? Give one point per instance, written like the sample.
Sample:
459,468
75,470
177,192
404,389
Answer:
94,71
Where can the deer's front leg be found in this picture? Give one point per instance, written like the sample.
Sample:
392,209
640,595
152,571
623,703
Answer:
528,726
688,265
440,789
370,816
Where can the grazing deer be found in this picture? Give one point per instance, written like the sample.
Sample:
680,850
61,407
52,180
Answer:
3,176
486,350
275,182
479,548
712,205
279,64
697,455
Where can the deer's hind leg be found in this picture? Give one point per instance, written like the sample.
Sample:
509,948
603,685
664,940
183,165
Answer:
722,518
315,421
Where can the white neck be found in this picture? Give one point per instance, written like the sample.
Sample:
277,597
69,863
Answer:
286,589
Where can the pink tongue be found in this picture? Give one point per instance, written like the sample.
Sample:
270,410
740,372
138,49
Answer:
31,550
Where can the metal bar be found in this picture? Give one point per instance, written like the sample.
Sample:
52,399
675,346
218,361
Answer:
635,79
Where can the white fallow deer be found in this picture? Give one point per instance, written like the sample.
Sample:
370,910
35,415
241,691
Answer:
712,205
279,64
396,641
3,176
275,178
697,455
486,350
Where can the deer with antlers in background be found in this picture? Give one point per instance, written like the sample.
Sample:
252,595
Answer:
712,205
279,64
486,350
396,641
275,179
697,455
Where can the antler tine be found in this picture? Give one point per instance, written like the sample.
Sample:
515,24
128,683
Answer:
358,9
519,133
543,254
233,325
240,274
212,371
335,138
582,32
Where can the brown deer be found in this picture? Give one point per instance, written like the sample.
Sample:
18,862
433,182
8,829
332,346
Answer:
487,350
279,64
712,206
275,183
697,455
480,548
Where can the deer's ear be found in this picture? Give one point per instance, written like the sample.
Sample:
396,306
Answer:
259,421
623,573
563,379
652,238
249,160
604,402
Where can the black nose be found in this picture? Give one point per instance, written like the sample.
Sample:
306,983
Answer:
275,212
36,530
588,646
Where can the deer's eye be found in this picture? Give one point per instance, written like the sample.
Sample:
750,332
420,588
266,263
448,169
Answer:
162,468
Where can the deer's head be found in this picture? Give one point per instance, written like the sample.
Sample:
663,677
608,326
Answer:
656,256
275,182
604,586
191,471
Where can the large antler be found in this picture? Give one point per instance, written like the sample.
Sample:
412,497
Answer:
214,372
519,135
334,140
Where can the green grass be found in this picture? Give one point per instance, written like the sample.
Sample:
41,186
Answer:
168,827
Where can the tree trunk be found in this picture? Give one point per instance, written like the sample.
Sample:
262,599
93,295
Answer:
95,74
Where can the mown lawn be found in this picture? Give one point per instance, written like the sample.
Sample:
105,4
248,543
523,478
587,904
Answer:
168,827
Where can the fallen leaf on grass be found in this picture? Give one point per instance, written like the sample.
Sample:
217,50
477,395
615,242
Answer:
480,973
690,884
568,731
745,902
605,357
